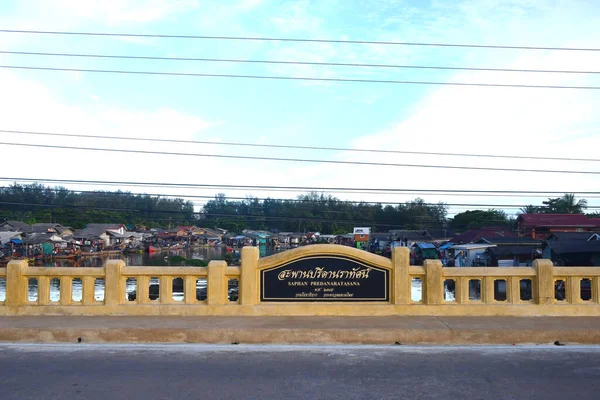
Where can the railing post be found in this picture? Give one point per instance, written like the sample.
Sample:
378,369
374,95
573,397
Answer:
111,282
401,275
544,281
434,287
16,284
248,276
43,290
88,284
66,291
217,292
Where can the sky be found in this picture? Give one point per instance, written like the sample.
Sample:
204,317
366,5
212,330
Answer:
403,117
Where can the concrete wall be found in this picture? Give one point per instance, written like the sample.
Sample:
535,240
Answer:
467,282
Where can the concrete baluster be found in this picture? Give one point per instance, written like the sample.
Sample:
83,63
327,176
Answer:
112,282
462,290
88,287
434,287
16,284
249,276
488,289
190,289
544,281
401,281
66,291
515,289
43,290
143,289
165,295
217,283
574,295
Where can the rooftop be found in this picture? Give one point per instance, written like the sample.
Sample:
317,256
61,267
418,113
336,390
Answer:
553,220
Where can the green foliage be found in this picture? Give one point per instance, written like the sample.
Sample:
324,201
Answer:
478,219
187,261
319,212
38,203
564,205
196,263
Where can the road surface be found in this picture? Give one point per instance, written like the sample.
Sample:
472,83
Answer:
84,371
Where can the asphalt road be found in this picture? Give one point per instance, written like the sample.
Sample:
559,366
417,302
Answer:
297,372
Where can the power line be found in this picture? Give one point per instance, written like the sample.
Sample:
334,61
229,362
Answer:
329,190
304,160
217,215
300,188
299,78
274,39
281,146
342,202
315,63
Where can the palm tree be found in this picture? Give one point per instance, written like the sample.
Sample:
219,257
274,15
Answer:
568,205
530,209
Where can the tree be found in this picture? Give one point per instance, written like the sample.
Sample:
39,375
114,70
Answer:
570,206
478,219
530,209
564,205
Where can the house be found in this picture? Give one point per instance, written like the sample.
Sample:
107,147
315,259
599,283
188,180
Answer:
91,234
118,228
541,226
573,248
39,238
381,238
15,226
361,237
178,232
473,235
439,235
407,238
9,237
258,237
424,251
208,233
52,228
470,254
511,251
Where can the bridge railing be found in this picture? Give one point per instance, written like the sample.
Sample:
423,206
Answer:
120,290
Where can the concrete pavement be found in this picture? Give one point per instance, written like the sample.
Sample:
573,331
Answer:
297,372
301,330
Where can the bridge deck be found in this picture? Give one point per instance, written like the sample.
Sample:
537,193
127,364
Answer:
301,330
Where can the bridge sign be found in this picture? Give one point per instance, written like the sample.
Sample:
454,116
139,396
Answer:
325,278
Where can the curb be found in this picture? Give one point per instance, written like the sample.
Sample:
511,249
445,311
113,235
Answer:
300,336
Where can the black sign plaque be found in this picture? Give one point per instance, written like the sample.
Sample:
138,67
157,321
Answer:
325,278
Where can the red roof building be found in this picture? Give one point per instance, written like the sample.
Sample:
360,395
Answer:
473,235
540,226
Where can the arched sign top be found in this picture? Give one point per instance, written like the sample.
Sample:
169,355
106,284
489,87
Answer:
324,250
324,273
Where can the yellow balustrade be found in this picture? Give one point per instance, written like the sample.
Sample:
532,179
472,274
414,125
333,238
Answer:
513,291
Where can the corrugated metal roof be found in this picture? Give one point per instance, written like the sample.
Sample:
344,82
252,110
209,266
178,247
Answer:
563,220
424,245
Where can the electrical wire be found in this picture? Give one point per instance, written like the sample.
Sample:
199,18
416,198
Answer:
330,64
301,188
342,202
281,146
303,160
247,38
298,78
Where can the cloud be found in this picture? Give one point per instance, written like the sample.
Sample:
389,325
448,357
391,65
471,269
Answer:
121,11
250,4
295,16
31,106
